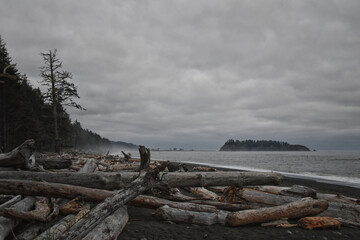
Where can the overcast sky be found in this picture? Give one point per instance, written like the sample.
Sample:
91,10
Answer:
192,74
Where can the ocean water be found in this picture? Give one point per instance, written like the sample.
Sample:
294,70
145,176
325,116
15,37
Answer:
326,166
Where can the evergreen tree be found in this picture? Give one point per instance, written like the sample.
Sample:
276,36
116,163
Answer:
60,92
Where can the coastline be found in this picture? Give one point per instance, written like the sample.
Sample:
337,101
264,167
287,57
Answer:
142,225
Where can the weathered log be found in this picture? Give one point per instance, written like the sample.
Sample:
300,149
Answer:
294,191
34,188
203,193
111,181
110,227
299,191
338,198
204,179
64,224
319,222
254,196
144,182
30,232
167,213
12,201
19,157
154,203
301,208
127,156
347,213
89,166
144,158
329,197
6,224
176,195
54,163
40,212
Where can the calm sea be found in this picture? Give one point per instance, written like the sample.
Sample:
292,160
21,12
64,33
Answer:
325,166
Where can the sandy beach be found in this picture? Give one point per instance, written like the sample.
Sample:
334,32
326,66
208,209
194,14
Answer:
142,225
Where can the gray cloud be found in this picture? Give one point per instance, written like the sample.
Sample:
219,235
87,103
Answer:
194,73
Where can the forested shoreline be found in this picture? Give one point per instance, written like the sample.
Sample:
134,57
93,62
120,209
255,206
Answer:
25,114
261,145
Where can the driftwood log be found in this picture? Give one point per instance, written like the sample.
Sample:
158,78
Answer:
19,157
64,224
112,181
40,212
349,214
111,227
6,224
143,183
53,163
301,208
167,213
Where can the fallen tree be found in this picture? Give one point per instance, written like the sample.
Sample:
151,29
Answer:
19,157
116,180
300,208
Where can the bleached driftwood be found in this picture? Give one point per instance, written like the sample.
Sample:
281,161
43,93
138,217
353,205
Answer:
12,201
347,213
6,224
167,213
154,203
301,208
110,227
203,193
143,183
89,166
64,224
19,157
117,180
34,188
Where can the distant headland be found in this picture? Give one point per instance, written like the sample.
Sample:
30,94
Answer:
261,145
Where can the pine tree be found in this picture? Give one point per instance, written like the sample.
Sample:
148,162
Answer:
60,92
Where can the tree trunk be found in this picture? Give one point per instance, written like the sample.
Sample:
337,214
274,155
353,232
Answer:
154,203
111,227
167,213
144,182
64,224
106,208
49,163
116,180
301,208
33,188
109,181
144,158
348,213
12,201
19,157
203,179
203,193
40,213
6,224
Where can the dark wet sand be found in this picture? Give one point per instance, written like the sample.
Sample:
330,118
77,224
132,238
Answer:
143,226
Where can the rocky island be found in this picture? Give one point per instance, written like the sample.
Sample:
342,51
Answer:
261,145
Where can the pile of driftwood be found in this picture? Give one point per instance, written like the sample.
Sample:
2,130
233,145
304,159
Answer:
84,196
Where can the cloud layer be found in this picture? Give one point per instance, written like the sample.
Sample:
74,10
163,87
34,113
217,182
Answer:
193,74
